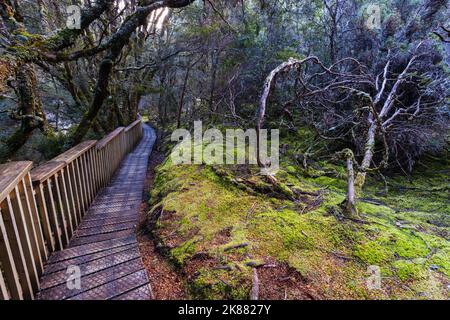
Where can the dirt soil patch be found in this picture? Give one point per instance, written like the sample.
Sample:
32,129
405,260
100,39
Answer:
278,281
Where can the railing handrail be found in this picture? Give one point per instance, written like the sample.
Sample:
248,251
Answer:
76,151
10,175
102,143
46,170
41,208
134,124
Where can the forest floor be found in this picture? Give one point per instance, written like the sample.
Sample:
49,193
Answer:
218,230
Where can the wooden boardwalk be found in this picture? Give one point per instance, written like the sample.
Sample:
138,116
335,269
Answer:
104,247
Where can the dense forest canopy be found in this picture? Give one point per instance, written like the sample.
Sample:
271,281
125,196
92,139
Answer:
378,82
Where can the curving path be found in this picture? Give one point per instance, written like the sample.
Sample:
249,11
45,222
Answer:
104,248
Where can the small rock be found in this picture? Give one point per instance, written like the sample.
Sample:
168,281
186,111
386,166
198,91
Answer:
434,267
21,38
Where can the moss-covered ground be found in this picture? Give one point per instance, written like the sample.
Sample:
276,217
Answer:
217,223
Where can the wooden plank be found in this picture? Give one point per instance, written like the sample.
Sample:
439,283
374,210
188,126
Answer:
80,185
75,189
141,293
114,220
8,263
91,281
92,248
84,179
67,233
116,288
94,178
76,151
26,241
11,174
35,217
81,260
46,170
104,229
106,140
4,294
60,277
133,125
45,220
54,218
90,175
71,197
67,210
97,168
30,226
99,238
17,250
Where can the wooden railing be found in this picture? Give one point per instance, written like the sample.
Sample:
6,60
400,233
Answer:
41,208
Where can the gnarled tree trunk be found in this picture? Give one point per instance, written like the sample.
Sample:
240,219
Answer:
30,112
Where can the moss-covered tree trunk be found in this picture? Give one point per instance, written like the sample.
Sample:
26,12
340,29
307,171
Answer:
29,112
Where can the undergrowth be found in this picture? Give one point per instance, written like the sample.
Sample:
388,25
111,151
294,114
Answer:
217,223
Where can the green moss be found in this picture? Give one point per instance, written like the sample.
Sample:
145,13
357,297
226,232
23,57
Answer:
211,212
408,270
442,260
181,253
407,245
331,183
215,284
373,253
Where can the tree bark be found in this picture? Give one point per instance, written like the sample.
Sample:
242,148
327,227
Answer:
368,153
30,112
265,95
350,202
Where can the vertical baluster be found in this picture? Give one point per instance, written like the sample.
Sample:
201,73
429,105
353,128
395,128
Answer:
95,157
46,227
90,174
81,185
66,210
38,227
100,166
22,196
85,180
108,164
104,162
54,217
61,215
4,295
26,240
17,249
71,196
8,261
75,190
